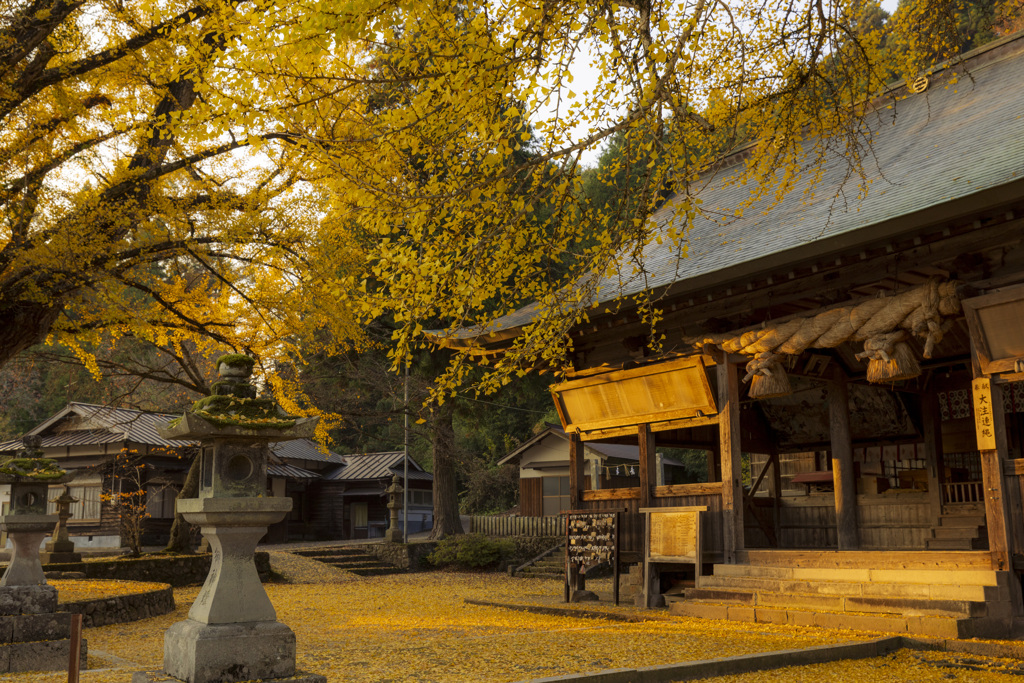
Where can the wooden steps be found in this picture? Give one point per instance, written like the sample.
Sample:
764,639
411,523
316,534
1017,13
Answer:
551,567
959,532
942,603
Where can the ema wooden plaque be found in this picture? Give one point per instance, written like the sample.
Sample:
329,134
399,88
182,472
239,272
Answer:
674,535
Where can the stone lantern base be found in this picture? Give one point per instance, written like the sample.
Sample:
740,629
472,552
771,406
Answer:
33,635
216,653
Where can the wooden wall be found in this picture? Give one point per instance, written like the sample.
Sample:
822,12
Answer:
531,502
886,522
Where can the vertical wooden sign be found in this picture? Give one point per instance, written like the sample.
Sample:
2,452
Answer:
984,419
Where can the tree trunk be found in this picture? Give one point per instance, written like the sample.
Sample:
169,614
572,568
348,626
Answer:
181,531
446,496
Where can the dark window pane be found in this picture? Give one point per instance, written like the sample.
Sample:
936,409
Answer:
563,486
550,486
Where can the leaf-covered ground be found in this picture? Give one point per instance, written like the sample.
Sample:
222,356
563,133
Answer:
418,628
73,590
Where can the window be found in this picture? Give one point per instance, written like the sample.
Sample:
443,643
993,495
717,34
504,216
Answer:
87,507
421,498
360,515
160,501
556,495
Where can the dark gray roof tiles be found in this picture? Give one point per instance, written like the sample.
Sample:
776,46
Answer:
376,466
304,449
945,144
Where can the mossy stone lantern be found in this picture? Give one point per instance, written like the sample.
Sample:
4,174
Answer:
232,632
27,523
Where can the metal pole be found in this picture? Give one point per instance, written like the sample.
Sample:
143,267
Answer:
405,475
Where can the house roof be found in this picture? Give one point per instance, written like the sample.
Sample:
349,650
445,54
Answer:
79,424
961,137
376,466
615,451
103,425
304,449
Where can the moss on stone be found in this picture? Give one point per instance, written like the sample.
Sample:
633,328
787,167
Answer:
237,360
234,411
42,469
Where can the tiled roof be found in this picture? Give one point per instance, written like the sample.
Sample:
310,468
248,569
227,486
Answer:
303,449
376,466
950,142
104,425
290,472
617,451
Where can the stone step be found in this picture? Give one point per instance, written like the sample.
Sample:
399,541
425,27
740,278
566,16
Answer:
382,570
857,589
933,626
350,566
980,577
540,575
333,551
39,655
896,605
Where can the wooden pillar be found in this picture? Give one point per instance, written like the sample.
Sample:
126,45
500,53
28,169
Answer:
842,462
659,469
777,494
575,472
931,423
988,404
595,474
646,438
731,462
714,471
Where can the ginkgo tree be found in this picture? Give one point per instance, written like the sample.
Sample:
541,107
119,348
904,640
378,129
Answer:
463,228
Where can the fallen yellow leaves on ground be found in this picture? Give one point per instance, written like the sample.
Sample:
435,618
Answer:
73,590
904,666
417,627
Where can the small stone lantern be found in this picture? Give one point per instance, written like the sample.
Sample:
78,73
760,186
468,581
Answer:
61,548
232,632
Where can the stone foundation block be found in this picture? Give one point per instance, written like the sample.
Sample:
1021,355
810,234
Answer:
221,653
27,627
28,599
43,655
161,677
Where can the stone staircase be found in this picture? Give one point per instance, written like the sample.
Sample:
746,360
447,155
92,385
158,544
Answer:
959,531
963,603
548,565
352,558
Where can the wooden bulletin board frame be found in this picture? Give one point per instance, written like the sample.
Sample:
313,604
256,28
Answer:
680,521
974,310
614,513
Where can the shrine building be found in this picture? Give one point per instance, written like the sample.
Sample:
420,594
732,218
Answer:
850,366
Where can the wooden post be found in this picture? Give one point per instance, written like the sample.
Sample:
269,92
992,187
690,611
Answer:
729,448
997,516
931,423
575,472
842,462
646,438
595,475
777,494
713,465
75,654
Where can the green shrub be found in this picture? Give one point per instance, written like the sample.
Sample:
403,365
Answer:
470,551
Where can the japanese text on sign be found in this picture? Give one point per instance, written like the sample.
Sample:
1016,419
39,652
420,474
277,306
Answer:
984,418
674,534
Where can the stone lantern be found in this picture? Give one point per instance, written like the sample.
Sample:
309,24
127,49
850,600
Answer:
60,548
394,532
37,636
232,632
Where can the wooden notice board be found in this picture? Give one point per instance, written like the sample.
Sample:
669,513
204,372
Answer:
984,424
591,538
673,537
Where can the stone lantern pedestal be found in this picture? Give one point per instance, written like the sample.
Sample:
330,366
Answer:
232,632
34,636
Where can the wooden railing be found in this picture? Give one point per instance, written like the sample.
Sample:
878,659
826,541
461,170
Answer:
671,491
517,526
962,492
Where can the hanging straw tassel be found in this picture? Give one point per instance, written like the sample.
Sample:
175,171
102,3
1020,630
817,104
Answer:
767,376
890,359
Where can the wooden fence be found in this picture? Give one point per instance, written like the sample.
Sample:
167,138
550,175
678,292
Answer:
517,526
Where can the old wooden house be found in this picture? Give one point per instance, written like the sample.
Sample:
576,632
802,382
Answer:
543,463
87,439
875,345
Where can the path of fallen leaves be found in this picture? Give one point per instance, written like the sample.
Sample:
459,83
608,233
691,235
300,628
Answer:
417,628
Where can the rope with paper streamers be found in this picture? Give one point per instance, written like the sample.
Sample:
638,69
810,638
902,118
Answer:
883,324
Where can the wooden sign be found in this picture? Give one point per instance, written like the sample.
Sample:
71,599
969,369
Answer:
674,536
591,538
984,421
